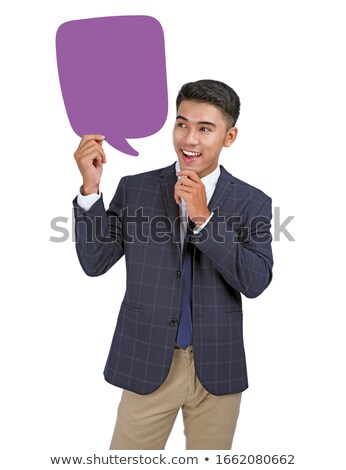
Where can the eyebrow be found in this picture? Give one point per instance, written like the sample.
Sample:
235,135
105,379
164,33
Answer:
207,123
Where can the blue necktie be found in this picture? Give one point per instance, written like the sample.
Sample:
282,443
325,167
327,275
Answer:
184,333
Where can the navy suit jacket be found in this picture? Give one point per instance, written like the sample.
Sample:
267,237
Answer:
232,256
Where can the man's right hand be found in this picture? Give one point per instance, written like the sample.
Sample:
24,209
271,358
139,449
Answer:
90,158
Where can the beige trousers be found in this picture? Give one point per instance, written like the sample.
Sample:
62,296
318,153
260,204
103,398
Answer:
145,421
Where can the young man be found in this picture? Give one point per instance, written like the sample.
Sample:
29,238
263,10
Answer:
195,238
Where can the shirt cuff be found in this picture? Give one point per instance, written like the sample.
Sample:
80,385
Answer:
85,202
198,229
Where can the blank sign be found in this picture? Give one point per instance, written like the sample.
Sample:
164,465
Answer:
113,80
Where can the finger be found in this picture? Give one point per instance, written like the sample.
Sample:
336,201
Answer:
87,137
93,159
97,161
176,195
184,192
100,150
191,174
177,199
88,148
91,155
89,143
186,181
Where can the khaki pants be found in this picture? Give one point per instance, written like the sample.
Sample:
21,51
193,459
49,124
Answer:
145,421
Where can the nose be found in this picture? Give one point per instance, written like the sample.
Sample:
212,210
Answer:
191,138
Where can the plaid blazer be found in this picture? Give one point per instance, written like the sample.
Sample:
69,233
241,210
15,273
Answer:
232,256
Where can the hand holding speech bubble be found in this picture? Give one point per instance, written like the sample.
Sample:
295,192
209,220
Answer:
112,73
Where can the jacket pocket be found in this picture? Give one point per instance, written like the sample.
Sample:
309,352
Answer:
131,307
234,313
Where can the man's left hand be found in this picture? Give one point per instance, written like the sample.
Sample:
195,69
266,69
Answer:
192,190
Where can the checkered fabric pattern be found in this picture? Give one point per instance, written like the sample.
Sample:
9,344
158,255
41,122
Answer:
232,256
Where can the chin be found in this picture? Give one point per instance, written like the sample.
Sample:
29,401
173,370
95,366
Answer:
193,165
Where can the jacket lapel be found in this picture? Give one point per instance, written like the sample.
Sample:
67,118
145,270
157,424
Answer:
168,178
222,189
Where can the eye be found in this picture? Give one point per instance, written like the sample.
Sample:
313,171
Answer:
205,129
181,125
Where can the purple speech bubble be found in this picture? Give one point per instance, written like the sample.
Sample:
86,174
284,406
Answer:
112,74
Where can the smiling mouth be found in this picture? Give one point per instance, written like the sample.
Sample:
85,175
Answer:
189,154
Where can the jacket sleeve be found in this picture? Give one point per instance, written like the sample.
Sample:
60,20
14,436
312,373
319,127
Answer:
98,233
242,255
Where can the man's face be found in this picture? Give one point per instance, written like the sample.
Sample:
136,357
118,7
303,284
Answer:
199,134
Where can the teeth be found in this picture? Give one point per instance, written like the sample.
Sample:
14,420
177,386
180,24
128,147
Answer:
191,154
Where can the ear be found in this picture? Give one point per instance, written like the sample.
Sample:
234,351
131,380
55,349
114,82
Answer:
230,136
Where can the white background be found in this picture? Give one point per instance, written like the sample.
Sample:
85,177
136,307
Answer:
286,60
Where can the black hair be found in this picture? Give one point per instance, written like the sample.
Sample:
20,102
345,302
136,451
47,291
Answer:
214,92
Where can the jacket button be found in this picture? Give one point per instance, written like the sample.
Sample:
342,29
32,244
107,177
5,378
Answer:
173,322
177,273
